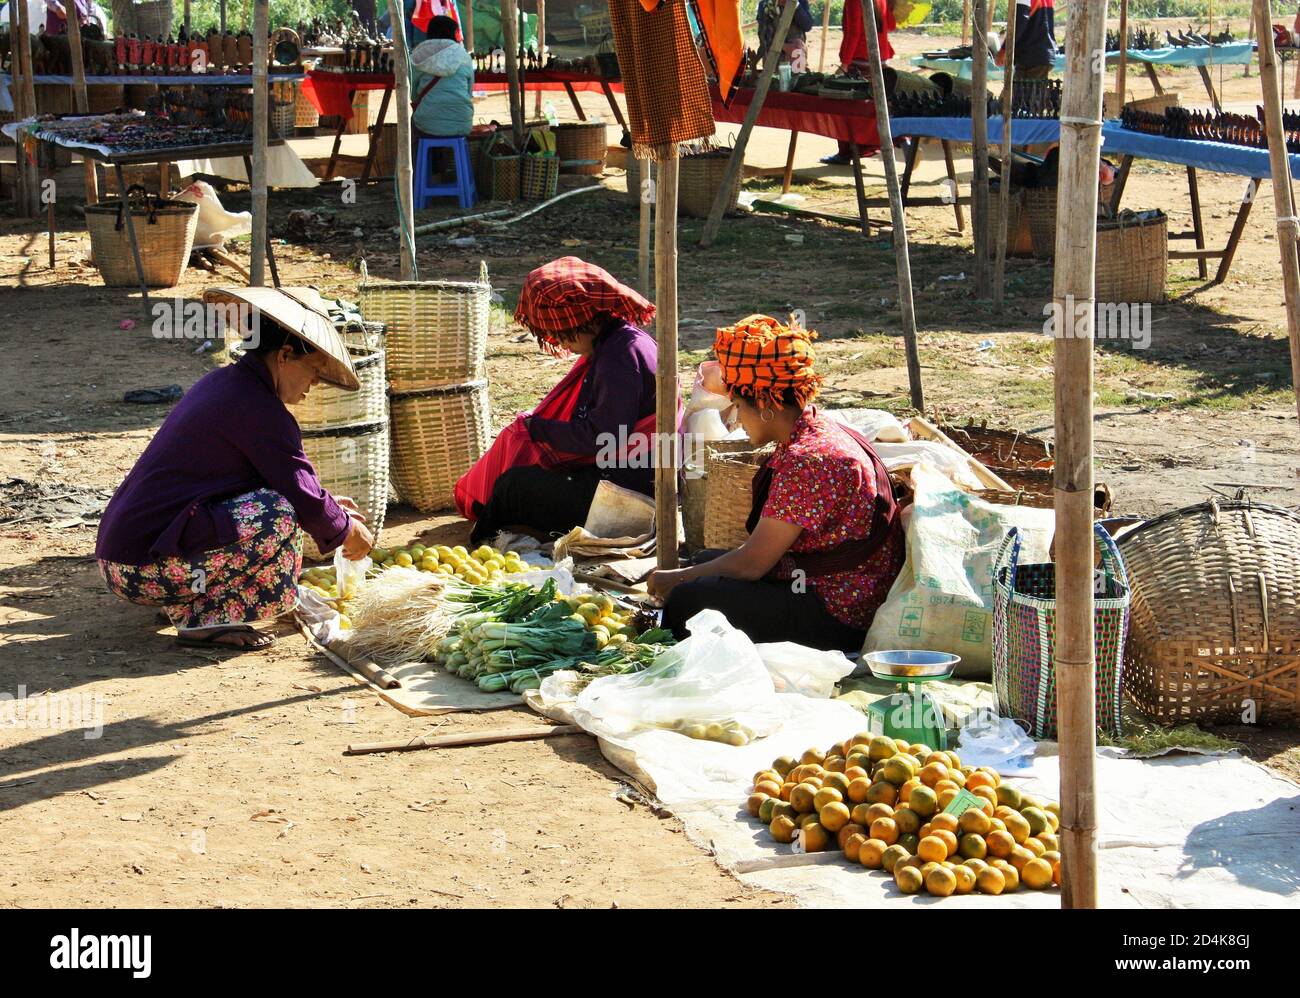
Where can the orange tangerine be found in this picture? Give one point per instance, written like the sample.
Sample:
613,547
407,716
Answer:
813,837
769,787
862,815
853,773
885,829
945,822
949,839
975,821
1035,846
875,811
965,879
990,881
802,798
1000,844
857,792
755,802
852,847
932,772
907,820
1036,874
852,828
1009,873
932,849
891,857
941,882
871,854
782,829
979,779
908,879
1020,858
826,795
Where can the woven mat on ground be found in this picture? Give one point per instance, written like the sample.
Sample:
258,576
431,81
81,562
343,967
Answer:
1178,831
663,79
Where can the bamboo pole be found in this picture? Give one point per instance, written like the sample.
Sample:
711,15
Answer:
826,30
541,47
509,24
902,260
965,22
261,124
1283,204
28,201
737,161
1004,189
1121,72
222,16
467,29
186,17
643,245
666,366
979,125
81,99
402,96
1074,292
463,740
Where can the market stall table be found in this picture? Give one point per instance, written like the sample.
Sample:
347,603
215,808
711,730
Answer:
560,79
845,120
117,159
1218,157
187,80
331,93
1199,56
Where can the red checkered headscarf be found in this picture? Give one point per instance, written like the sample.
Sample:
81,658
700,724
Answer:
761,358
568,293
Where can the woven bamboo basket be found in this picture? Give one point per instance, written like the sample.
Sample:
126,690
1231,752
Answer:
581,146
729,496
1132,259
1041,205
699,179
1020,242
1215,634
540,177
438,434
437,330
1000,448
164,232
326,405
153,18
500,175
695,486
351,461
305,114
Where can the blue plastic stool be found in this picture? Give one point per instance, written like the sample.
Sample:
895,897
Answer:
426,190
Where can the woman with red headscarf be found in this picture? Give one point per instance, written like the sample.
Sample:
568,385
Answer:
854,60
825,540
544,469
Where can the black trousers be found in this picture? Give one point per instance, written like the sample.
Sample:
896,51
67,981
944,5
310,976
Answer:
553,502
766,610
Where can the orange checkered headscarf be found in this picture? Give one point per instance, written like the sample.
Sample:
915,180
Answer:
568,293
761,358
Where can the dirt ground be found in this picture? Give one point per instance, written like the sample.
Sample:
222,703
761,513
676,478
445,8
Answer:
219,778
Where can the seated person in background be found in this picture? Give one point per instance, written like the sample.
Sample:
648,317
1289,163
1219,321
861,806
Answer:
795,48
544,469
1035,42
442,84
825,539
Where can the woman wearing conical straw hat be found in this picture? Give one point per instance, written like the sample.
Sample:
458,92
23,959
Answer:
206,524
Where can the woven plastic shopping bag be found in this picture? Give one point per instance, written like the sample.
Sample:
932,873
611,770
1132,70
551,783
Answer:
1024,636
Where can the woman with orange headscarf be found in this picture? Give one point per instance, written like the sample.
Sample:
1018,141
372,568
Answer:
825,541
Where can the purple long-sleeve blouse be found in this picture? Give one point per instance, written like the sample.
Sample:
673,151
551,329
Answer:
229,435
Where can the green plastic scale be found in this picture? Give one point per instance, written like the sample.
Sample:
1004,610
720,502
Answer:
910,713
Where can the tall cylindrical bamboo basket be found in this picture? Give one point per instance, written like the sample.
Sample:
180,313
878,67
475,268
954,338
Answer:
581,147
326,405
351,461
438,434
729,496
437,330
1132,259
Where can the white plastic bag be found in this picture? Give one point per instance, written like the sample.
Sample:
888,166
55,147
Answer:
799,669
997,742
351,575
713,685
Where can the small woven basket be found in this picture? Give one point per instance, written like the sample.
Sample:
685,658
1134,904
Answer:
327,405
695,487
1040,202
581,147
700,178
730,495
1132,259
437,330
501,170
438,434
164,233
1215,636
541,168
305,114
351,461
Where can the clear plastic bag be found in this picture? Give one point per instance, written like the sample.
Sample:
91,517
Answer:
351,575
800,669
713,685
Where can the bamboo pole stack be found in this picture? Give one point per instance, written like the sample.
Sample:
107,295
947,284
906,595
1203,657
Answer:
1004,188
1283,203
897,216
81,99
24,91
1074,293
402,96
980,147
261,124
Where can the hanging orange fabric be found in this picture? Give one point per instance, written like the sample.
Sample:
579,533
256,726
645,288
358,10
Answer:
720,20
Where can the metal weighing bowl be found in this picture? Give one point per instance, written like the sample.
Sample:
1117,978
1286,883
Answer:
911,664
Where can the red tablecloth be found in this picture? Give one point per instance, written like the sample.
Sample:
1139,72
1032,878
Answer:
547,79
330,93
836,118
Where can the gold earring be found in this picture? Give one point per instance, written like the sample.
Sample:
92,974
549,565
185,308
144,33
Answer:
767,415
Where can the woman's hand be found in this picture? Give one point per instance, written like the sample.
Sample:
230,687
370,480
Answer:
351,506
663,581
359,540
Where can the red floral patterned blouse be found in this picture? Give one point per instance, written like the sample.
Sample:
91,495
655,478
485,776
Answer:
822,481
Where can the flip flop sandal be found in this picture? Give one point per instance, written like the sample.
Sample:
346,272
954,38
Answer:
209,639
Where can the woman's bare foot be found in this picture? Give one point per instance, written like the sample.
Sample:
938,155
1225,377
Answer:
224,635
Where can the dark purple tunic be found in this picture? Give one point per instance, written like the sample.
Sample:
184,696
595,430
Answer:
230,434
